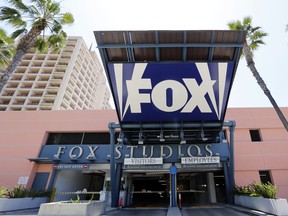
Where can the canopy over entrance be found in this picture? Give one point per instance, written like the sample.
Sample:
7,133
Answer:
170,86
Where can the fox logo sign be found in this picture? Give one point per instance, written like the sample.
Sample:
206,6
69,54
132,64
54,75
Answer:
171,91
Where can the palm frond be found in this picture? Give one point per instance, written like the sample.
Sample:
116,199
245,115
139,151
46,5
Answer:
54,8
67,18
255,29
247,21
253,46
18,32
254,36
41,4
259,42
7,49
34,11
19,5
5,38
11,16
56,27
41,44
58,41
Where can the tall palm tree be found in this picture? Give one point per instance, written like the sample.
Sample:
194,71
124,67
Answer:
30,19
254,38
7,49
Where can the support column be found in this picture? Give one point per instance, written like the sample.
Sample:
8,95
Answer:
211,188
52,179
114,202
231,163
173,195
226,177
173,190
118,182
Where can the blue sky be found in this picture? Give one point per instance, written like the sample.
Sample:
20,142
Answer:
272,16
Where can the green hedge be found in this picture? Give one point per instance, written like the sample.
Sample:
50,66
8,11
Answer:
20,192
266,190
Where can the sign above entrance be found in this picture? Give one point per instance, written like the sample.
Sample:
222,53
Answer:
171,91
143,161
79,157
71,166
200,160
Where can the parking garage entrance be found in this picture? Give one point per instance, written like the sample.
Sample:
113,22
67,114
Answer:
200,188
152,189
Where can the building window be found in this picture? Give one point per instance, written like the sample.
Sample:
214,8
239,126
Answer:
265,176
97,138
79,138
255,135
64,139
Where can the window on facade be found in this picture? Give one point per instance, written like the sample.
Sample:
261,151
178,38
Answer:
79,138
255,135
96,138
265,176
64,138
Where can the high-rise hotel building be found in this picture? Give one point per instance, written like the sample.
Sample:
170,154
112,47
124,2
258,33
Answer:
70,80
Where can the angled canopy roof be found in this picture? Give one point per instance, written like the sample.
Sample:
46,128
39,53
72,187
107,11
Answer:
156,46
170,46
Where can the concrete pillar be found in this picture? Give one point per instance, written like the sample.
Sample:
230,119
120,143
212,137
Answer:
114,201
211,187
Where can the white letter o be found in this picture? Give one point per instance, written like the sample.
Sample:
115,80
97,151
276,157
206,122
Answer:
179,95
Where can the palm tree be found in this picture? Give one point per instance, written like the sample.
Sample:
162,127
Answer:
38,16
254,38
7,49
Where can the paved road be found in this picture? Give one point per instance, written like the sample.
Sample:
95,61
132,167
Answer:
209,211
212,212
138,212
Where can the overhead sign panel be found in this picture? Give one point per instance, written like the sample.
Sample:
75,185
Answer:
171,91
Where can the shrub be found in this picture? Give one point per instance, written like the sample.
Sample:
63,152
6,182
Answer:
40,193
266,190
3,192
18,192
245,190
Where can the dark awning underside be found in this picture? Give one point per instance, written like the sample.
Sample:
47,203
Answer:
156,46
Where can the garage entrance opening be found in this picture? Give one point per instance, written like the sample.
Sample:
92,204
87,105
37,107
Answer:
87,185
200,188
149,190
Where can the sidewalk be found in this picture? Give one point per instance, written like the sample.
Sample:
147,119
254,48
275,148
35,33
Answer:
247,210
172,211
28,212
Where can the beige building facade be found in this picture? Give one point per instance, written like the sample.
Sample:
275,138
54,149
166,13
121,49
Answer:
261,145
71,80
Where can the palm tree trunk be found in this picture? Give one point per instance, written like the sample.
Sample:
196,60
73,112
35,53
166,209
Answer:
23,46
250,63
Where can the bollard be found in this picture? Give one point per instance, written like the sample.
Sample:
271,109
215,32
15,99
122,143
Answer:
180,201
121,202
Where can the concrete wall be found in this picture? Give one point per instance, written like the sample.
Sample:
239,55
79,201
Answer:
269,154
23,133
